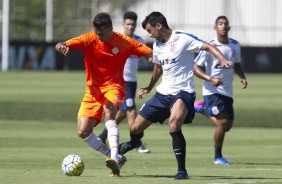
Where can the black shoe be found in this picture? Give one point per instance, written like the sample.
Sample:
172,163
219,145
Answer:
127,146
181,175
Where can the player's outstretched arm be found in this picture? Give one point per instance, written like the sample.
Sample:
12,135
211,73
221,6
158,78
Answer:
239,71
62,48
214,51
199,72
157,72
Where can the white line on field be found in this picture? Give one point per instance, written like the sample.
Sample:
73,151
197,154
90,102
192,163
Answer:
249,181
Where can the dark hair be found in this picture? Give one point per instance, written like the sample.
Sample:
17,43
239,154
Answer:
130,15
221,17
102,20
154,18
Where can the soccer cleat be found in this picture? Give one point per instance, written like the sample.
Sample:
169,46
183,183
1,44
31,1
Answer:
114,175
142,149
121,160
125,147
113,165
221,161
199,105
181,175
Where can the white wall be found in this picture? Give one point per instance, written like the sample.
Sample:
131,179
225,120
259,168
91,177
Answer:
253,22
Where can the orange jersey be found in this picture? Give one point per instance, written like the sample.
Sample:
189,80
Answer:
104,61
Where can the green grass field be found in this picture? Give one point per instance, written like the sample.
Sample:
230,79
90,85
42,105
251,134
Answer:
38,129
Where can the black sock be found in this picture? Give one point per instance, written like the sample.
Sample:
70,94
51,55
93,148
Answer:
217,152
103,136
179,148
135,138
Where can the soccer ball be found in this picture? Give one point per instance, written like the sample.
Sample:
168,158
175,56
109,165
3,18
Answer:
72,165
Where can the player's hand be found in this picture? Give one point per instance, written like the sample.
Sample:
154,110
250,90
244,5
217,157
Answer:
244,83
216,81
62,48
141,92
225,64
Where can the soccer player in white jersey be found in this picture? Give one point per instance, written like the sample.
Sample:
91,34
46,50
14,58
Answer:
173,56
128,107
217,88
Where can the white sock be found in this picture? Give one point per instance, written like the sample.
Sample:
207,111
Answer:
113,138
96,143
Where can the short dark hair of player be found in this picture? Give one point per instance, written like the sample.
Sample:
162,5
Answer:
102,20
154,18
221,17
130,15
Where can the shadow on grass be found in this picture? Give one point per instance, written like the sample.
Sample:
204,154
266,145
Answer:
149,176
203,177
253,163
232,178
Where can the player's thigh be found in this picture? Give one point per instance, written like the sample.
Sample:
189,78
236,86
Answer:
111,103
91,107
178,114
114,96
178,111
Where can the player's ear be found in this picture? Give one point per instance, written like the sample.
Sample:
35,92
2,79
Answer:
158,26
229,28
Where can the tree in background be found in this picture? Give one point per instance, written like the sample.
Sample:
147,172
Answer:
70,18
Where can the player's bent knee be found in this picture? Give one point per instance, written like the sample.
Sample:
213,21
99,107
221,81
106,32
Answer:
174,126
228,127
135,130
82,134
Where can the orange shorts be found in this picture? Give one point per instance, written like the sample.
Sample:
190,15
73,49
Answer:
92,106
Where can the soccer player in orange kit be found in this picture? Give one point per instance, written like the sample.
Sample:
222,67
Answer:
105,53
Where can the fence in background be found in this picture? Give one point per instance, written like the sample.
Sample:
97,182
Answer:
255,23
42,56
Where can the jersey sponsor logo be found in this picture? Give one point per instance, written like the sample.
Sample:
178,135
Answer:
167,61
173,47
115,51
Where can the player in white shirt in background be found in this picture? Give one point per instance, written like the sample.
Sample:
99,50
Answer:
173,56
128,107
217,88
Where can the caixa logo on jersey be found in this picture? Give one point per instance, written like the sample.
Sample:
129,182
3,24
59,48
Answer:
167,61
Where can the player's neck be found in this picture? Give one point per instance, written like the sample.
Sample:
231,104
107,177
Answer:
110,37
223,39
166,35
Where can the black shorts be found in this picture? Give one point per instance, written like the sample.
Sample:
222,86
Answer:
157,109
217,103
